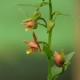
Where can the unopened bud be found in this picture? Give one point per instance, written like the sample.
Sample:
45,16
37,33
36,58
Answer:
59,59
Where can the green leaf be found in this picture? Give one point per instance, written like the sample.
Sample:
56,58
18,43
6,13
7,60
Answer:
64,14
35,5
68,57
36,15
48,52
60,13
44,3
66,66
31,5
55,71
54,16
50,25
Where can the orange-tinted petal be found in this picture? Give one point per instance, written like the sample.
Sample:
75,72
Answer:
32,44
30,23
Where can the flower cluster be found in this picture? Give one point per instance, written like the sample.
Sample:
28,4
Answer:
34,45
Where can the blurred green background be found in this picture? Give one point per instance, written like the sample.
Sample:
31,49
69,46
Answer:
14,63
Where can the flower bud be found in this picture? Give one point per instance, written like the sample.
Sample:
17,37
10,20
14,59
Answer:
59,59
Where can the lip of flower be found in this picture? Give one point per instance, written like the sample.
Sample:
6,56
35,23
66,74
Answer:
30,24
32,49
57,58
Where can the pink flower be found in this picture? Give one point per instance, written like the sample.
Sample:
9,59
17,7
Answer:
30,24
33,45
59,60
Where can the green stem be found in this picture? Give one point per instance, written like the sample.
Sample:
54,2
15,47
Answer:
43,20
49,69
49,39
42,24
50,9
49,42
42,42
50,16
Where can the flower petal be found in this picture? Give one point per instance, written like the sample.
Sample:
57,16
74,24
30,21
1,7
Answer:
34,36
32,44
35,39
57,58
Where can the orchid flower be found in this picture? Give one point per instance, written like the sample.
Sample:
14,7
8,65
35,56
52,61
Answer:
31,24
33,45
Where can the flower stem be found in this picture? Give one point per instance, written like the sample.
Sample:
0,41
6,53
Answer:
42,24
49,69
49,39
42,42
43,20
50,9
50,16
49,42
